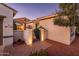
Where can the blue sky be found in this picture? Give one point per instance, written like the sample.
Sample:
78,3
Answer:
33,10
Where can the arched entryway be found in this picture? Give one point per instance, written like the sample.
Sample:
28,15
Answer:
29,35
39,32
36,32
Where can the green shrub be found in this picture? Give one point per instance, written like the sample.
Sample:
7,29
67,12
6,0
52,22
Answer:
62,22
41,53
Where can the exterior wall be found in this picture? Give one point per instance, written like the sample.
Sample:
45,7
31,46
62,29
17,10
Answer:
32,24
28,34
73,29
44,34
1,50
7,24
56,33
18,35
28,37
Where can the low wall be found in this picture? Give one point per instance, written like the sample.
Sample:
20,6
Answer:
28,36
7,41
18,35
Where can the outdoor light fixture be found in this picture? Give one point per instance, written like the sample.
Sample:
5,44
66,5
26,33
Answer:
42,34
30,37
22,27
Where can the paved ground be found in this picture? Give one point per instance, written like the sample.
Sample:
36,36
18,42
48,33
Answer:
25,50
53,48
58,49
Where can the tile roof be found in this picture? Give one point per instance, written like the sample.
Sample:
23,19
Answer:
43,18
21,20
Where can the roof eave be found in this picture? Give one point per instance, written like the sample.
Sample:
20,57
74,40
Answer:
14,11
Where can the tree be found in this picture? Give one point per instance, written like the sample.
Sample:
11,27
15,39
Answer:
69,10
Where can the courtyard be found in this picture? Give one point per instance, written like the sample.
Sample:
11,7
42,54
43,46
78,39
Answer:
58,49
53,48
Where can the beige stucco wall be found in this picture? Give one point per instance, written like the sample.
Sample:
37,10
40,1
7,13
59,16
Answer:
29,35
73,32
7,21
18,35
32,24
56,33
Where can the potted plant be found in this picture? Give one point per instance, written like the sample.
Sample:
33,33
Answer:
40,53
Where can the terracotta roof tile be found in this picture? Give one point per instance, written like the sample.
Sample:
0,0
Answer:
21,20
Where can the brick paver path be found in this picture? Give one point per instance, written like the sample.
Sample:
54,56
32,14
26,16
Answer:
53,48
25,50
58,49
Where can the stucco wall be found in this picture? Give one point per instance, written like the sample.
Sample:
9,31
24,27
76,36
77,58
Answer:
32,24
28,37
7,21
18,35
56,33
73,35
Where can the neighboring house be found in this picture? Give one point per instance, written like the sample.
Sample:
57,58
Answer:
19,27
6,24
54,32
20,23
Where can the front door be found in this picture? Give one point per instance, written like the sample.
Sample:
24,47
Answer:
1,31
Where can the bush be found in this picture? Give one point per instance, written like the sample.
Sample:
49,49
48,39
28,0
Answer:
62,22
41,53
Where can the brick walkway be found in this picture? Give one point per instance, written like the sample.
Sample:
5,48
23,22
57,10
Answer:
53,48
58,49
25,50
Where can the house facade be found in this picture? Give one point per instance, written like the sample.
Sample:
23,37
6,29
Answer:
19,27
47,28
52,32
20,23
6,24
